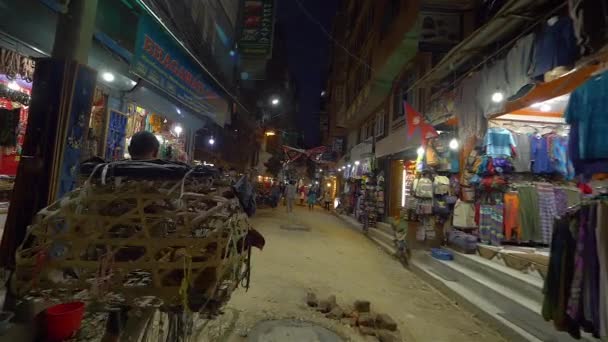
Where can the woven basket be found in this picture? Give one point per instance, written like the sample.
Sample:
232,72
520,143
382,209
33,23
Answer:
516,262
137,242
487,252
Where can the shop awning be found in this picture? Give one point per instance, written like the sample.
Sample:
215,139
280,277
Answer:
397,142
563,85
148,98
512,16
361,151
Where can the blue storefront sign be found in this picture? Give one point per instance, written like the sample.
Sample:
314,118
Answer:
159,60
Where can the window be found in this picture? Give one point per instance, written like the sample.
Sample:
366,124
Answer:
379,129
363,132
371,127
401,96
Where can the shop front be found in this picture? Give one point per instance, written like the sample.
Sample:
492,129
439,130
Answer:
362,186
534,166
16,73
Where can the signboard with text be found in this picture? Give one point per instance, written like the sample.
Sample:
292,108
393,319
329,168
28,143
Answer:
161,61
258,26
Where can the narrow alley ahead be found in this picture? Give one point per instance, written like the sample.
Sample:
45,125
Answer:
319,252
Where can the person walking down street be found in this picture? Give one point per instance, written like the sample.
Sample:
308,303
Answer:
290,195
327,199
302,194
282,192
312,198
275,195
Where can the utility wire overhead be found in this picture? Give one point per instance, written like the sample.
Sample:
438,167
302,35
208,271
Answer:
328,34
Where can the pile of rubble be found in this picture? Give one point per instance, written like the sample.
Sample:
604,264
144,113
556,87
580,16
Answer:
376,326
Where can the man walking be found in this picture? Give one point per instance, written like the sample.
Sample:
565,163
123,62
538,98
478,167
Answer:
290,195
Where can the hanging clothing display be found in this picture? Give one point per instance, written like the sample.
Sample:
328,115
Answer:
522,159
554,46
588,109
491,224
511,217
529,216
499,142
540,155
575,289
471,120
519,64
547,210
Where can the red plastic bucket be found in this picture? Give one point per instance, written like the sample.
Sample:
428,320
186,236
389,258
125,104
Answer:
63,320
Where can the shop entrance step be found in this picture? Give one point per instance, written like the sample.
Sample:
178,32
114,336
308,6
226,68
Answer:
527,285
385,227
382,236
383,240
503,300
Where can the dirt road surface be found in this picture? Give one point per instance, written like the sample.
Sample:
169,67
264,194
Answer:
326,256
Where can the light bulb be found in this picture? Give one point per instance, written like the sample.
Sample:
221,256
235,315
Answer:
178,130
211,141
545,108
454,144
420,151
497,97
357,162
348,165
108,76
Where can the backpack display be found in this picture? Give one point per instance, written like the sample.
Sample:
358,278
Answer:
424,188
464,215
442,185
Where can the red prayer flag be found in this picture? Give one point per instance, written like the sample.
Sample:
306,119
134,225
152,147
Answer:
415,120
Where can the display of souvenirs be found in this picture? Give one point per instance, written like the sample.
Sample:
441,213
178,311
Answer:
116,136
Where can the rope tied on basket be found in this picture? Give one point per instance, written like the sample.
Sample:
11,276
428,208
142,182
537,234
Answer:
41,259
104,274
185,285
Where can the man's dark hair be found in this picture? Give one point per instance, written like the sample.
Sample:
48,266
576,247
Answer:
143,144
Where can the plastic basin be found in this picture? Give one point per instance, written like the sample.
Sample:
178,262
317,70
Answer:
63,320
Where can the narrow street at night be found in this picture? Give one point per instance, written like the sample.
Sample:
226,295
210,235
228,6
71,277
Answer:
319,252
303,170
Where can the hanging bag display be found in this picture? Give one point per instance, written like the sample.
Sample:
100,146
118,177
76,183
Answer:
424,188
464,215
441,207
468,194
441,185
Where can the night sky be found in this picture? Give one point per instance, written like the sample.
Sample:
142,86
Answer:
308,57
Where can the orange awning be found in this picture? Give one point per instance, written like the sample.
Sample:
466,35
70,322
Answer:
558,87
546,91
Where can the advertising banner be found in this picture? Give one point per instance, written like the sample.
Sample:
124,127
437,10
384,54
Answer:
258,26
161,61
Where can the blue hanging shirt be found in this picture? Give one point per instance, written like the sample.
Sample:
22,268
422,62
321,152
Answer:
588,108
539,150
499,142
